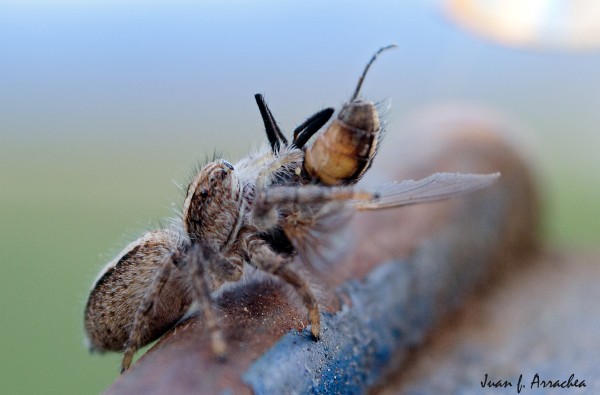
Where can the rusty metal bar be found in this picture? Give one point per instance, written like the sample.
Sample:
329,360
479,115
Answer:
408,268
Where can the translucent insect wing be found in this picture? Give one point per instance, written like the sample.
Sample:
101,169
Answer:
438,186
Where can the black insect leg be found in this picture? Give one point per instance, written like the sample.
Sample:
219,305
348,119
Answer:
308,128
273,132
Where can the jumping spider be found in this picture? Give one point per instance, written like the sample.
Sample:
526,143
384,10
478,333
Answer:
265,210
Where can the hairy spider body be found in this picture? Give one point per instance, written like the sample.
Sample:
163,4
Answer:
173,267
284,201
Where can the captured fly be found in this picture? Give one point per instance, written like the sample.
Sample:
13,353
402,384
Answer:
287,200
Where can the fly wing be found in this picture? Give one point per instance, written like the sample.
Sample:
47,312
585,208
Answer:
319,231
438,186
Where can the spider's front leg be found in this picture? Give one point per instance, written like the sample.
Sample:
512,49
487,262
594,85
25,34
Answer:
198,257
144,311
196,261
264,258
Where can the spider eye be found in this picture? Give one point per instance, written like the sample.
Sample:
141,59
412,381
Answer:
228,164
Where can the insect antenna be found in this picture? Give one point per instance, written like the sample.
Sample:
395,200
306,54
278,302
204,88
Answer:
362,77
308,128
273,132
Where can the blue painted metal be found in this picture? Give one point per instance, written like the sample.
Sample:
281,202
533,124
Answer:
350,349
388,312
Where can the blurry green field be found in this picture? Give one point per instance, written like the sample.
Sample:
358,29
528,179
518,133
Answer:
64,212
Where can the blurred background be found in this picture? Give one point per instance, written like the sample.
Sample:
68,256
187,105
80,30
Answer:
107,106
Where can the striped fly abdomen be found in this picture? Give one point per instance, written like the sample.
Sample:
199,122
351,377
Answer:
344,152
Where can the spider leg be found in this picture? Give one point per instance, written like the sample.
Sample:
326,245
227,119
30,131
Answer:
198,257
223,268
264,258
140,320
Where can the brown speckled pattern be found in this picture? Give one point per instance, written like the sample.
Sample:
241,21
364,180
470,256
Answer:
119,291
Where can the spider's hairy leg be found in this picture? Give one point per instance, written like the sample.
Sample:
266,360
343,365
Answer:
223,269
198,257
264,258
302,287
140,320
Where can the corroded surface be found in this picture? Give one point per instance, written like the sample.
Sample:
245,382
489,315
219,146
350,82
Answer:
407,269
